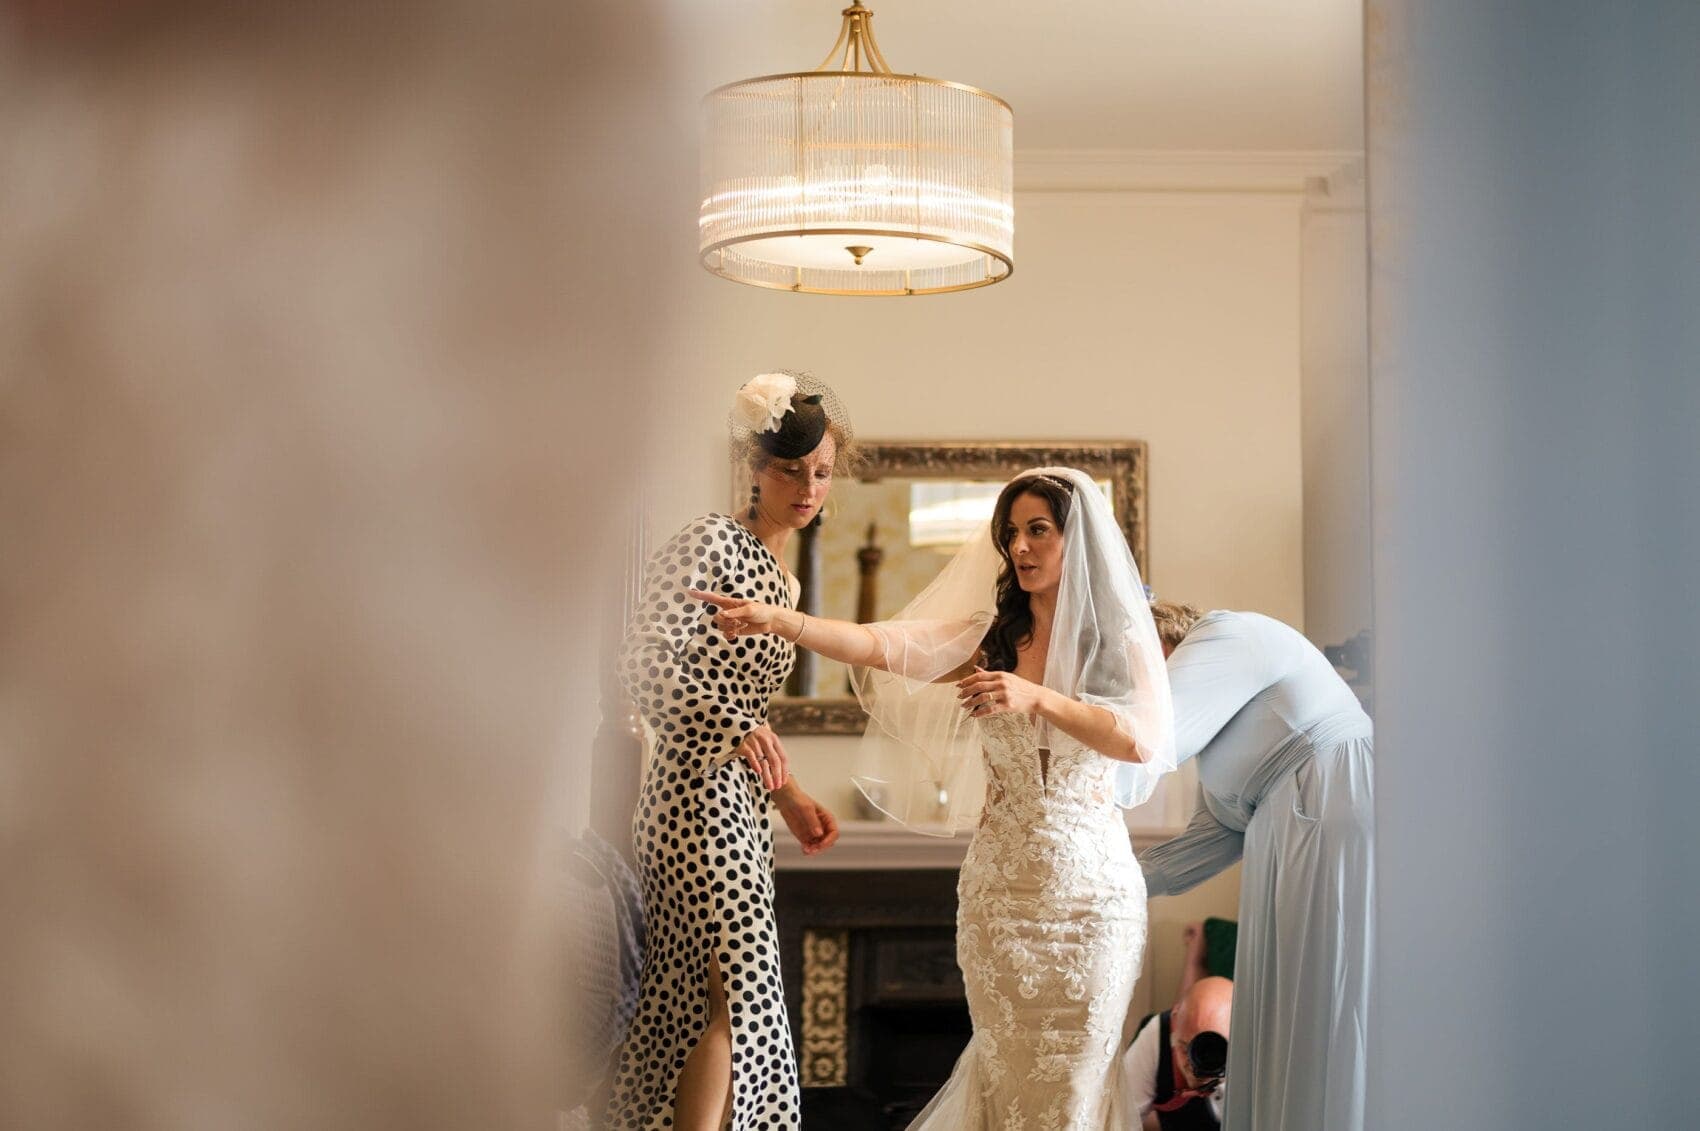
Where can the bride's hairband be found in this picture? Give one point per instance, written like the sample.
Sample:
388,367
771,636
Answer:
1051,479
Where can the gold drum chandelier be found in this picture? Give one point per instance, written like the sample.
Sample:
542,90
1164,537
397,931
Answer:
851,180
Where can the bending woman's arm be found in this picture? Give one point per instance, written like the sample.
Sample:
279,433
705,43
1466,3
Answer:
1204,849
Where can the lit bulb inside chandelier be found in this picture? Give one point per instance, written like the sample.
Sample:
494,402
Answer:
857,182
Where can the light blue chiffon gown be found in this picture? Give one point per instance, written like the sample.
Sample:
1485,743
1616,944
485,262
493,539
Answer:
1286,780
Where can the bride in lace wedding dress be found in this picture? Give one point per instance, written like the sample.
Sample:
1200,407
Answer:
1022,694
1050,933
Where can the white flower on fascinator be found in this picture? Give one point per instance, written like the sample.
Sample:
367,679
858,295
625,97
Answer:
764,400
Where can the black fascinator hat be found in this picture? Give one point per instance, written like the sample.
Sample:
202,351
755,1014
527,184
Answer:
786,415
800,430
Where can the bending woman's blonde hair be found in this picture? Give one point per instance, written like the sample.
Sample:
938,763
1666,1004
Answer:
1174,620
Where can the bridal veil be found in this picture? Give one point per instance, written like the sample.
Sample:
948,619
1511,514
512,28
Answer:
920,759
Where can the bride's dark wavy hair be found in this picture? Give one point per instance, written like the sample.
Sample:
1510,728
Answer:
1013,626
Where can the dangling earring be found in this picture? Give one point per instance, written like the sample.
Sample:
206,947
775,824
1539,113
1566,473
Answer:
755,496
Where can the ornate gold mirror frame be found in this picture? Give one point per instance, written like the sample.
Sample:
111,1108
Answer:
1121,462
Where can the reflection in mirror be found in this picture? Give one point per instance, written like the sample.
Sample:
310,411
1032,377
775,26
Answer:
888,532
885,542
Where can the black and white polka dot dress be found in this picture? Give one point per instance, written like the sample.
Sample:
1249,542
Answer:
704,844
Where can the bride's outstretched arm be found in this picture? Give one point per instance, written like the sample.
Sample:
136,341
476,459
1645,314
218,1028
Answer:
930,651
841,640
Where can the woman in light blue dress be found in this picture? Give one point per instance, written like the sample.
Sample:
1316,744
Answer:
1286,781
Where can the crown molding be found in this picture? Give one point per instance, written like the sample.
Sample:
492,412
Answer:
1284,172
1342,191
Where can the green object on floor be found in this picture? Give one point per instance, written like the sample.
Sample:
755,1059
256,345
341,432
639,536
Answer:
1220,938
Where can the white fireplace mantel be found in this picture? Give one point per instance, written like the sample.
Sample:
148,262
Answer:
873,845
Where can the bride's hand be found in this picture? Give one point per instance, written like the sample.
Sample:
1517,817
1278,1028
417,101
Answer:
738,617
994,693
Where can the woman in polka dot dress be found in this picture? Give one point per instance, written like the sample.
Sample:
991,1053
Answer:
710,1045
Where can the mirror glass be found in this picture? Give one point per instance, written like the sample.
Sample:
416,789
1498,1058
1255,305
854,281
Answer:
889,531
882,542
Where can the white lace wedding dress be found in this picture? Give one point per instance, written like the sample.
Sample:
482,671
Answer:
1050,932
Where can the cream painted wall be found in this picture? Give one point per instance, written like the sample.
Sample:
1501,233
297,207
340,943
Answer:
1171,318
1334,352
1168,317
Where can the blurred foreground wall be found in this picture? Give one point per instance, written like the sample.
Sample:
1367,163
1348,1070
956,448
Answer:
1535,402
312,318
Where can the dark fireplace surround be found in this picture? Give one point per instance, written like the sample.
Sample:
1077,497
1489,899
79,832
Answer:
873,991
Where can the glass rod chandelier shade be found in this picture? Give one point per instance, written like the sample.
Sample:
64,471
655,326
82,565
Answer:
852,181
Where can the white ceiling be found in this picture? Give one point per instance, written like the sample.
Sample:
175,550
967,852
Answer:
1171,75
